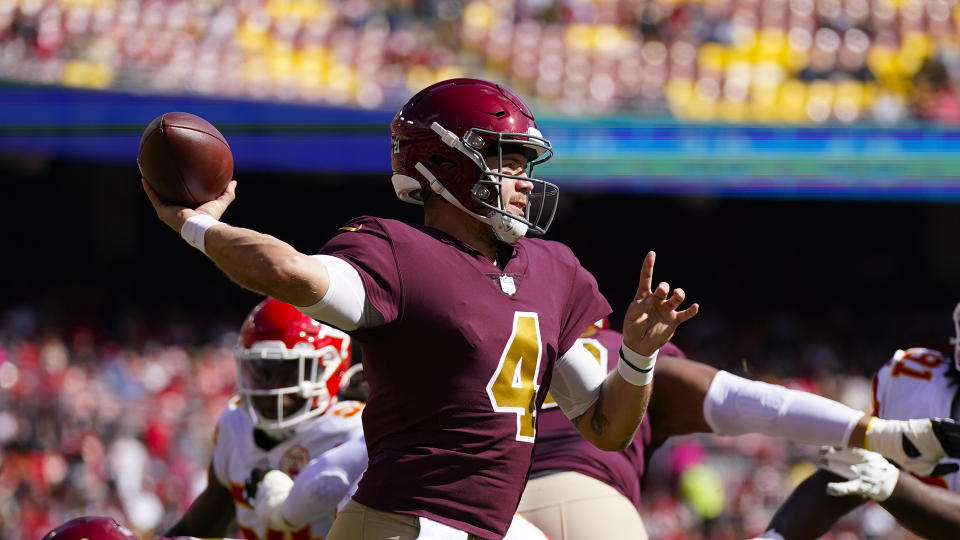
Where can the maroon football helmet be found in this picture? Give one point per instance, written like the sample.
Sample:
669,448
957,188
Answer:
289,366
441,138
90,528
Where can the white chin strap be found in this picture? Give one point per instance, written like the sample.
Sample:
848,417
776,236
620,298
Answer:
506,228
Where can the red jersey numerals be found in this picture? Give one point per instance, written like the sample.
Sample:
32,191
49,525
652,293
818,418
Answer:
346,410
916,364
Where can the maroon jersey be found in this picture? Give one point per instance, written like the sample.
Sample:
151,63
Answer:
459,368
560,447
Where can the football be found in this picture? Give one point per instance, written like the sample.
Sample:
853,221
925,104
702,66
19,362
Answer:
185,159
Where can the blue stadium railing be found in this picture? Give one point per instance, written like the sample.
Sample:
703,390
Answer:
623,153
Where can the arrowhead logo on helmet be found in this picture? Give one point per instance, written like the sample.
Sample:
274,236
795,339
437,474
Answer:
442,137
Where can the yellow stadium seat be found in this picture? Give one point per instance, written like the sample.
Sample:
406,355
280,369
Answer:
712,56
479,15
84,74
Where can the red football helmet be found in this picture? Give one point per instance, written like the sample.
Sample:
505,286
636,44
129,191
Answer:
289,366
441,138
90,528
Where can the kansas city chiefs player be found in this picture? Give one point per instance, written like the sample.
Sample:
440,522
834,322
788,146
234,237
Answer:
914,383
286,415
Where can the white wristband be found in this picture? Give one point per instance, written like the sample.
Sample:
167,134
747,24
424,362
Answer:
636,368
195,228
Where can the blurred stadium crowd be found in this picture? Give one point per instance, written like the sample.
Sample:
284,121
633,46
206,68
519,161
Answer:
764,61
95,425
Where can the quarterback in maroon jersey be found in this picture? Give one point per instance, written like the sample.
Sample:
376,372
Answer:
463,322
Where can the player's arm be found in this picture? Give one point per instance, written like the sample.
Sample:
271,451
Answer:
612,421
808,512
621,400
253,260
928,511
210,515
676,408
692,397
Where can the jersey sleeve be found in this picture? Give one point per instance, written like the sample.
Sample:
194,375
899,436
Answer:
906,375
585,304
365,243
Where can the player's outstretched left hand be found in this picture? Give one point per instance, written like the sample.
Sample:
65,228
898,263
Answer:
652,317
174,215
868,474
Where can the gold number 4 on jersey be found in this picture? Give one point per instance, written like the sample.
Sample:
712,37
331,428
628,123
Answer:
513,387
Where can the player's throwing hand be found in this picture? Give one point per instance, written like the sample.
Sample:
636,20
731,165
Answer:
652,317
175,215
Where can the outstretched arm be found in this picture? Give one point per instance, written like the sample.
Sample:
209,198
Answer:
693,397
622,401
253,260
210,514
925,510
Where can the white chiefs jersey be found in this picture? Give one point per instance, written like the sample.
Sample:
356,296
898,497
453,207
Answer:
236,454
914,384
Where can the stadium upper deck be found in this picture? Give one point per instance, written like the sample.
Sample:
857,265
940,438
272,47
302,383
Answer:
774,61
